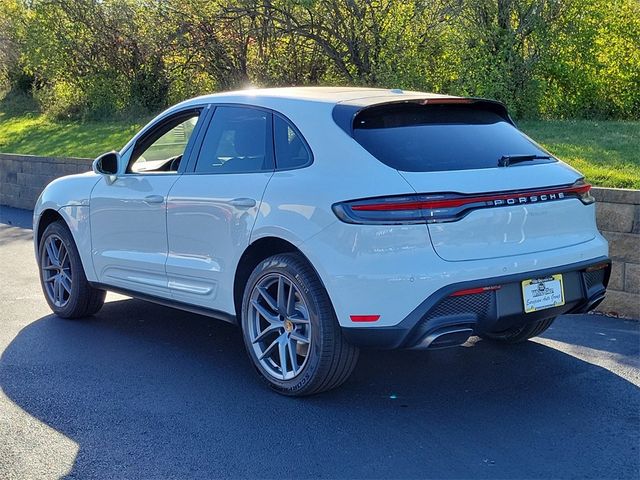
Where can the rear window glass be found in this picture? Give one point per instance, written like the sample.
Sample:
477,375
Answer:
427,138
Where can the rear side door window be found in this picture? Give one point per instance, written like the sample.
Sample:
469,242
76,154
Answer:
239,140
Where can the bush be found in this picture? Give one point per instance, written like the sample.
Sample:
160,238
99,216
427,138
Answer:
61,100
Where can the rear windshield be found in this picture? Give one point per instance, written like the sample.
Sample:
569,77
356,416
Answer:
428,138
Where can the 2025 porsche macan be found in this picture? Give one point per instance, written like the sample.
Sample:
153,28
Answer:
321,220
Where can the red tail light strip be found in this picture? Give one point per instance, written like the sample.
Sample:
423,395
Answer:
448,207
474,291
513,198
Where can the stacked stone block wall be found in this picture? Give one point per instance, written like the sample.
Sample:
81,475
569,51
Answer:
23,177
618,216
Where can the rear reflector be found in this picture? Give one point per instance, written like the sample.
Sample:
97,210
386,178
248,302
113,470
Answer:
597,266
474,291
449,207
365,318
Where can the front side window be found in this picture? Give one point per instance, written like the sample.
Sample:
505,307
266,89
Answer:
238,141
161,151
291,151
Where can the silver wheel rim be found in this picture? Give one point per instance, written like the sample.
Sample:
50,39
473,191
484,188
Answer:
56,271
279,326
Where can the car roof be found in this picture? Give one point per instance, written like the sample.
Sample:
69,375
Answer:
331,95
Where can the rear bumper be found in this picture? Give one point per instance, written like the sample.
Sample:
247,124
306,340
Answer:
445,320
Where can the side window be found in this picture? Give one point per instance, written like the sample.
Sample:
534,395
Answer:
161,151
291,151
238,140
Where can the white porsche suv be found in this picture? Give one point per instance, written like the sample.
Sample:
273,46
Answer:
321,220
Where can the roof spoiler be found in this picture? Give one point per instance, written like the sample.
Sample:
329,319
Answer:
344,114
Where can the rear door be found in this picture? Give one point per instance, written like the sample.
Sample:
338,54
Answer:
212,208
455,151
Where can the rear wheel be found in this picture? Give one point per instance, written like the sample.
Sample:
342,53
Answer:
62,277
519,334
290,329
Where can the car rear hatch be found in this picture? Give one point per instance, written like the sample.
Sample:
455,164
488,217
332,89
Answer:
484,188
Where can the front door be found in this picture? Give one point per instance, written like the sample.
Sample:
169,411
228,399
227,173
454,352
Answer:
129,216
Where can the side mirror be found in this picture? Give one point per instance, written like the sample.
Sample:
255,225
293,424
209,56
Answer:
107,165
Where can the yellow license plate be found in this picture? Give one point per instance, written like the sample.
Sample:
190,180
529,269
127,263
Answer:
541,293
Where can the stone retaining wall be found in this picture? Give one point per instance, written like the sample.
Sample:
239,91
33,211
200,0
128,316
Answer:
22,178
618,216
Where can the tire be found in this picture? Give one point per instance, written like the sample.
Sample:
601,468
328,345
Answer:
519,334
303,322
71,295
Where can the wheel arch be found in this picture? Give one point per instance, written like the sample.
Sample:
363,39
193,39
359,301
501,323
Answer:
255,253
47,217
76,220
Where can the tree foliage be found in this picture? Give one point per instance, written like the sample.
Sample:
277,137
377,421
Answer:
550,58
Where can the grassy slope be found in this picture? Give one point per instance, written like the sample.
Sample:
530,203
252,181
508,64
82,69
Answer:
24,130
608,153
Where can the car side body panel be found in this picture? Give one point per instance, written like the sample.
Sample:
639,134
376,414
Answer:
297,203
69,197
209,224
129,232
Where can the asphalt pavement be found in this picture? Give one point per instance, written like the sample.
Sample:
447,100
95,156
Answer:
144,391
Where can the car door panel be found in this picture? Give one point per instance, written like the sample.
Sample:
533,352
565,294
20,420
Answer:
211,211
207,235
128,216
129,232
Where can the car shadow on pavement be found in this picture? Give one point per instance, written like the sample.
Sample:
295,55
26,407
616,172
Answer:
10,234
617,336
151,392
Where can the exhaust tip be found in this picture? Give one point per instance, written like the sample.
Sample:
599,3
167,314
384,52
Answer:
452,336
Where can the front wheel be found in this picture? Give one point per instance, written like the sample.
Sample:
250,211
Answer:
62,277
290,329
519,334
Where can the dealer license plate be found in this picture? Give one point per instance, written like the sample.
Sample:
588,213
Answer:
541,293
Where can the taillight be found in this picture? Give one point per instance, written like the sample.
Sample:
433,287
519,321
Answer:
448,207
583,191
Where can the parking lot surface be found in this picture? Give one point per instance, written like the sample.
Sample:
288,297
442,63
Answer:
144,391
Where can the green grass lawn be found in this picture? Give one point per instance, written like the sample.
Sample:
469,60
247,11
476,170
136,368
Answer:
607,152
24,130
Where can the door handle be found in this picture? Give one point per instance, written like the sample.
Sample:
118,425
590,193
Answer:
154,199
242,202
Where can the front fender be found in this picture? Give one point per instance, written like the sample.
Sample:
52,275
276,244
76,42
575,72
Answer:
69,198
72,190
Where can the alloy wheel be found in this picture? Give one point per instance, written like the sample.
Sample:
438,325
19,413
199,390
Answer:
56,271
280,328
